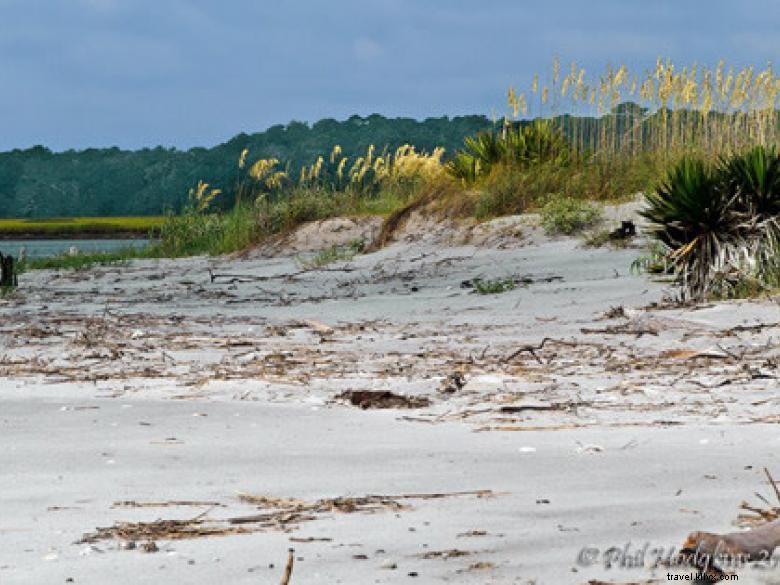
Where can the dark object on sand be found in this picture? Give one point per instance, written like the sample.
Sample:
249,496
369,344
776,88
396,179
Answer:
626,230
7,272
382,399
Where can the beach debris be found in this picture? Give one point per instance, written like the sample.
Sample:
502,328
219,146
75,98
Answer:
472,533
618,312
707,551
517,408
478,566
451,553
524,280
306,539
630,328
166,504
288,567
687,354
161,530
283,514
270,501
300,510
532,349
317,326
757,516
367,399
588,449
452,383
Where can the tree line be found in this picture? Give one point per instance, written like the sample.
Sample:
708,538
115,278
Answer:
39,183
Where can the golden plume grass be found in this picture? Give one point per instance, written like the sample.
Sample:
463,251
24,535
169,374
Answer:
668,110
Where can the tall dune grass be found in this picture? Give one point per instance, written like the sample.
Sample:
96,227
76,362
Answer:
669,110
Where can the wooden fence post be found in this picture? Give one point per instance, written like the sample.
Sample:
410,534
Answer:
7,272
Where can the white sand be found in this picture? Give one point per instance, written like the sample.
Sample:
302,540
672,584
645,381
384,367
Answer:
150,382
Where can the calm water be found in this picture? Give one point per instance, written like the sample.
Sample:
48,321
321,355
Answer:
43,248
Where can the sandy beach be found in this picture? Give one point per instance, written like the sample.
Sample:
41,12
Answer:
527,432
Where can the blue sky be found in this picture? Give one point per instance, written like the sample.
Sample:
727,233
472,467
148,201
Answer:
132,73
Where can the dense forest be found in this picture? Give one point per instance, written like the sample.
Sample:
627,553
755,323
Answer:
39,183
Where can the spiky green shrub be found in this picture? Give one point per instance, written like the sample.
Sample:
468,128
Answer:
513,145
754,177
694,215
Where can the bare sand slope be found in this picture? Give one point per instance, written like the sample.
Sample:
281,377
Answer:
195,380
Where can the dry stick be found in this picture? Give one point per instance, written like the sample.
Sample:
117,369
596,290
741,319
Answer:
288,569
763,499
532,349
772,483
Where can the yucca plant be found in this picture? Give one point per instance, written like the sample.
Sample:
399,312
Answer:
695,216
478,155
754,177
537,142
514,145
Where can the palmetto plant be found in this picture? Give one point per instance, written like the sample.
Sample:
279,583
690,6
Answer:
695,216
754,177
513,145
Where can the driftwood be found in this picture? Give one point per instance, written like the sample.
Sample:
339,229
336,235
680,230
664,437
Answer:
288,569
707,550
532,349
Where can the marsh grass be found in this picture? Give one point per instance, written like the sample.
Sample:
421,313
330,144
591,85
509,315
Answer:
86,260
66,227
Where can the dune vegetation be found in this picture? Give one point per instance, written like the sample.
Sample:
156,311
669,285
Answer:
698,141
